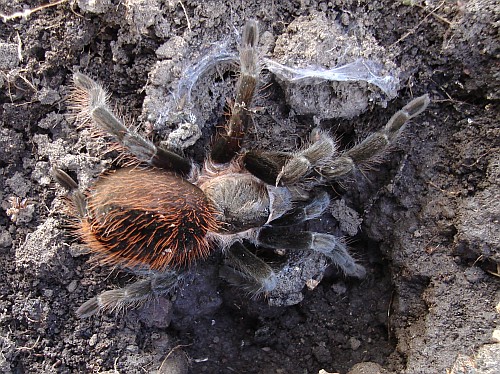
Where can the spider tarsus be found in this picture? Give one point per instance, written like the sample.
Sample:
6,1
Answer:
250,65
64,179
86,95
89,308
410,110
76,196
250,35
86,83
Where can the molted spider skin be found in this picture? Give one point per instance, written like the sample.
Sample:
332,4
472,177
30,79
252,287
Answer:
163,216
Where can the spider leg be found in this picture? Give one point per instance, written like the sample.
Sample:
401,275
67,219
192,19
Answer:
320,154
229,143
265,165
284,169
90,103
131,296
326,244
304,211
76,196
247,271
376,143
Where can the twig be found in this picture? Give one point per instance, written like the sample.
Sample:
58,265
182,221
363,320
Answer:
115,366
185,14
30,348
440,18
389,309
497,274
171,352
417,25
19,47
27,12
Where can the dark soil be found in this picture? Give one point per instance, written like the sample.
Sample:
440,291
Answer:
429,211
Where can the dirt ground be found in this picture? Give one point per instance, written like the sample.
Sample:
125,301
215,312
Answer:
424,221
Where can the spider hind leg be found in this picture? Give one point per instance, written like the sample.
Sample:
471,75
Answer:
286,169
133,295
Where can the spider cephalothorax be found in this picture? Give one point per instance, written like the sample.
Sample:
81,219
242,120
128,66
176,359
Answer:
163,213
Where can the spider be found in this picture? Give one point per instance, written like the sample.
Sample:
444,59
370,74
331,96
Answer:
163,213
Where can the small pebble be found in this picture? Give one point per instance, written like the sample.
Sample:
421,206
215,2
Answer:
93,340
354,343
72,286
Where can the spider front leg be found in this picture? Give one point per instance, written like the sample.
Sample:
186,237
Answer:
326,244
320,154
282,168
229,143
245,270
376,143
90,105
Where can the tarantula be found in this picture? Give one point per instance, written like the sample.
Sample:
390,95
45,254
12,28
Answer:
164,213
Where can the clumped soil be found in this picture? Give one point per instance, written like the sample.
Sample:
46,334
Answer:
428,212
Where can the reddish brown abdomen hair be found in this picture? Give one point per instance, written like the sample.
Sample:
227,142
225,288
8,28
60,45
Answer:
147,217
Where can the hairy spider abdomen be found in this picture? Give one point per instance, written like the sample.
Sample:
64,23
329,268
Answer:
147,217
